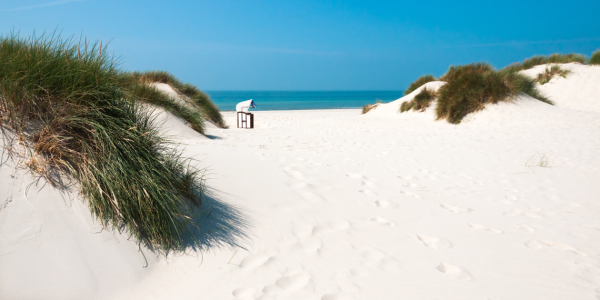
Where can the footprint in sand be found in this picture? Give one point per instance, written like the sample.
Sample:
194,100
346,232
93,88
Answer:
253,261
311,245
481,227
339,224
411,194
294,174
455,271
367,183
294,282
382,221
381,203
509,199
244,293
310,196
525,228
407,177
518,212
337,296
272,290
410,185
538,244
354,175
455,209
434,242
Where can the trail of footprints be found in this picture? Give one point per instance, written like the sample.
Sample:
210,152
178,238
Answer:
374,258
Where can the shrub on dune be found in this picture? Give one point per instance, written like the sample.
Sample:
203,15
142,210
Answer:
595,60
199,99
550,72
72,107
420,102
470,87
418,83
542,60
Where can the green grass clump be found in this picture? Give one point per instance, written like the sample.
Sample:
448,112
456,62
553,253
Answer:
198,98
470,87
149,94
550,72
72,107
418,83
542,60
420,102
595,59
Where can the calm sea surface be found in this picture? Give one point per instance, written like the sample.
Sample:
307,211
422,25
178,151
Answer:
296,100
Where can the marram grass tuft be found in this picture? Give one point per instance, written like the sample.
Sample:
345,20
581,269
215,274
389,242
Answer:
595,59
470,87
420,102
72,106
199,99
418,83
542,60
550,72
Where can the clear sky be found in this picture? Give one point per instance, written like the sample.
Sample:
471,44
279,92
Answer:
314,45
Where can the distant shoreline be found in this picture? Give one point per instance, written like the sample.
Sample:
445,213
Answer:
302,100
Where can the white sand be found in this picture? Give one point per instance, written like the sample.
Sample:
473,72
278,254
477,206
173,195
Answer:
336,205
579,90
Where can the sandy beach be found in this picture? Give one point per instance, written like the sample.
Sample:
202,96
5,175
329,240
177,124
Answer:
332,204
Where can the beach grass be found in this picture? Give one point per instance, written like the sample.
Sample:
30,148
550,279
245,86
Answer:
542,60
71,105
418,83
420,102
150,94
470,87
197,98
369,107
550,72
595,59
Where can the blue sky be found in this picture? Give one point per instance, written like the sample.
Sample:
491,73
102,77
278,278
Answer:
313,45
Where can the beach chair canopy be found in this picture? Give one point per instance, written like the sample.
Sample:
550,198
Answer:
245,105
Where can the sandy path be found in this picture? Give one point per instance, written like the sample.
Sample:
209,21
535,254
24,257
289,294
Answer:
343,206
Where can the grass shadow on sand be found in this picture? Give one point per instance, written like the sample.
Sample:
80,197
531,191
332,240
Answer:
218,224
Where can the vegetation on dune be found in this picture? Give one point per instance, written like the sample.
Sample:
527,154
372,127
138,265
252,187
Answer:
149,94
470,87
418,83
542,60
550,72
198,98
71,105
420,102
595,59
369,107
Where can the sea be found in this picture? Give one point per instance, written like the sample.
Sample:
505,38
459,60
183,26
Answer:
302,100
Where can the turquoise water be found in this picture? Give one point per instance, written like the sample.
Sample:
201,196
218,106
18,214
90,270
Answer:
299,100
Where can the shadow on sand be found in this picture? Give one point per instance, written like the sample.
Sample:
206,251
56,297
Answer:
218,224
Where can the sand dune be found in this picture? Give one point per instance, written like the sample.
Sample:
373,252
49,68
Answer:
332,204
578,91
